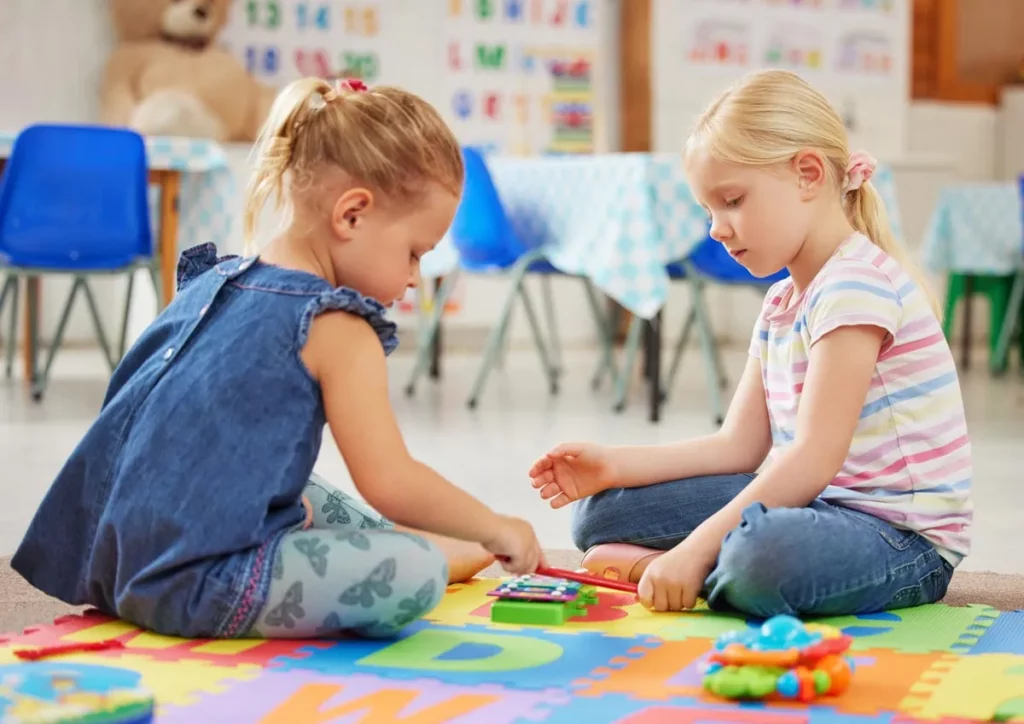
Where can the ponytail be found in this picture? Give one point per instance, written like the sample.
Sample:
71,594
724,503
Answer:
276,144
867,214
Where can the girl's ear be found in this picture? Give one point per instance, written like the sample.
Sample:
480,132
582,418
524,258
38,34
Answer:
349,210
811,172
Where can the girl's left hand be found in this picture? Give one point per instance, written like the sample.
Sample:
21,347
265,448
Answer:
308,523
673,581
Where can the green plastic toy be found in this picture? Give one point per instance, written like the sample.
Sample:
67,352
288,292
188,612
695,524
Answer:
541,601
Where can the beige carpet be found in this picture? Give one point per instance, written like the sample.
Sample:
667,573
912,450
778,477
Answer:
21,605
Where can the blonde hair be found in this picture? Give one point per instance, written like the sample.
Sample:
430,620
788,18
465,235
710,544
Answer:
391,140
770,116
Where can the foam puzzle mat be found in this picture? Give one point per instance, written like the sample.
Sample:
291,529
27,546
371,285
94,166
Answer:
619,664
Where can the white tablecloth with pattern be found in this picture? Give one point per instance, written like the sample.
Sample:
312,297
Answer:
976,229
207,186
617,219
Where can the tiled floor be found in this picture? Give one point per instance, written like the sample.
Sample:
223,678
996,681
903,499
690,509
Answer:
488,451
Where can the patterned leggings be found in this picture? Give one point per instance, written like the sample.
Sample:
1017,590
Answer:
350,573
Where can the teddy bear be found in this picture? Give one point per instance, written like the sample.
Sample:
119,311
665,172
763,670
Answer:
166,77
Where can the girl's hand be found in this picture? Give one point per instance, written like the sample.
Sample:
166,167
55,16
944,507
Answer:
515,545
673,581
308,523
572,471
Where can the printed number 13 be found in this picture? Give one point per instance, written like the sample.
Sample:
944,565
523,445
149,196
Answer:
273,19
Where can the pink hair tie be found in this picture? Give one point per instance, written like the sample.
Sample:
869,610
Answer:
859,170
353,84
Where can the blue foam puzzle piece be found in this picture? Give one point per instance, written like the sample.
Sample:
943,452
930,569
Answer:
470,654
622,709
1004,636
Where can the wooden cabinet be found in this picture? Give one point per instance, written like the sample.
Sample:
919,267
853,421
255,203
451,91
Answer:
965,50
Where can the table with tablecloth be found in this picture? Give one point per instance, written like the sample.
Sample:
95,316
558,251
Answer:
975,230
195,172
617,219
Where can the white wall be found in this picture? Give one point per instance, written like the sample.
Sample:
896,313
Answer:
52,54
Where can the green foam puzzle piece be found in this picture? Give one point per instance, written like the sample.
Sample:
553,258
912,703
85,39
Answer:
1012,710
919,630
703,624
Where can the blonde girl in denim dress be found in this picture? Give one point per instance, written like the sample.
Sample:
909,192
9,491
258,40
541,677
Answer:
190,507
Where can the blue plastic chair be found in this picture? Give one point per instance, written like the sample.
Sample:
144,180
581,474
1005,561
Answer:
709,262
1000,357
487,243
74,200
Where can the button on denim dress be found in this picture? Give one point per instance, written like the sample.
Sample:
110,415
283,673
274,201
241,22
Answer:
169,511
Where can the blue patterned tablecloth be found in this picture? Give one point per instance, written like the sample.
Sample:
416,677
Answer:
617,219
976,229
207,186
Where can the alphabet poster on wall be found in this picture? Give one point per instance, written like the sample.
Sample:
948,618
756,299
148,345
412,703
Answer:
856,52
851,40
520,74
282,40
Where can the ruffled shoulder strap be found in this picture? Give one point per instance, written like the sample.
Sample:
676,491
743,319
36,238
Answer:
349,300
196,261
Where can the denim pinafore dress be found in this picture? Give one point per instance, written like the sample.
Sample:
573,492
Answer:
169,511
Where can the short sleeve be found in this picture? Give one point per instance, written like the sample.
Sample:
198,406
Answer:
351,301
759,336
853,294
197,260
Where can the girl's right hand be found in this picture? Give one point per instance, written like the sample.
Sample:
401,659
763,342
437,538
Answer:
572,471
515,545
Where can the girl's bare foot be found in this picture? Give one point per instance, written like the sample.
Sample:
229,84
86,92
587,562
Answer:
465,559
619,561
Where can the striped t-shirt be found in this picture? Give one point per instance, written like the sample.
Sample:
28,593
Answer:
910,459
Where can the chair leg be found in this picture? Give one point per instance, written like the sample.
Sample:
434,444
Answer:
12,325
98,324
10,284
506,345
154,275
58,337
4,291
552,322
33,340
497,335
633,336
1000,356
426,341
707,344
548,363
677,355
125,315
605,338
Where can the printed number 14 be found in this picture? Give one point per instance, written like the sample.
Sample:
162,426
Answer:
321,18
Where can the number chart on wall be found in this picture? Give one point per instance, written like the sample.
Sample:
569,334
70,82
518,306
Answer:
281,40
520,75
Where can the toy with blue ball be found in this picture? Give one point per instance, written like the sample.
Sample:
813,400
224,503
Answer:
782,659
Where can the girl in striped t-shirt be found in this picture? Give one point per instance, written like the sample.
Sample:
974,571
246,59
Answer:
850,394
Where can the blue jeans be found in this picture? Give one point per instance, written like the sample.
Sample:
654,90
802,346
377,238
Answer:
820,560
